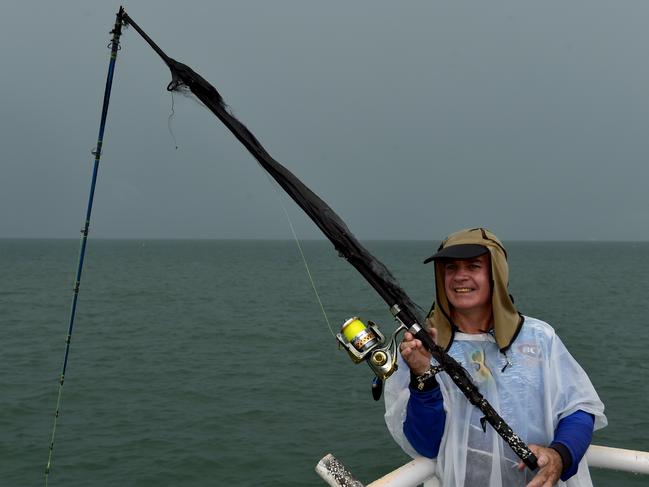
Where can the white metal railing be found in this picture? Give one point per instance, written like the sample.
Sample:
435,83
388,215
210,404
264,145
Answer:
618,459
422,469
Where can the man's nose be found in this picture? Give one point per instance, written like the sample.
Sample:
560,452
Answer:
461,274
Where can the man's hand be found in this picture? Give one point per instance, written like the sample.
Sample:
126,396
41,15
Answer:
550,466
415,354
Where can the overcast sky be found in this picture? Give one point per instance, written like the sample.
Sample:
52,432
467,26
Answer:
412,119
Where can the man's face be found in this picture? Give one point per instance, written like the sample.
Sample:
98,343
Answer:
468,283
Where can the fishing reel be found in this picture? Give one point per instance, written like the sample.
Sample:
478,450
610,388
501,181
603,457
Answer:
370,345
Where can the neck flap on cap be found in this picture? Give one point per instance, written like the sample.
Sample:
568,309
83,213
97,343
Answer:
507,320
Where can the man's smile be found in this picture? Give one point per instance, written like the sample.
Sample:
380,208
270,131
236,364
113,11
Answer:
463,289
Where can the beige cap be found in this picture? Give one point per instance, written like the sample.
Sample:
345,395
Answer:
507,320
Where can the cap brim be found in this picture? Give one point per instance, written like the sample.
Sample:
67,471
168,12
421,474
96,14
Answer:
461,251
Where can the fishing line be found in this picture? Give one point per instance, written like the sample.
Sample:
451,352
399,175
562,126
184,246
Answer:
169,121
274,184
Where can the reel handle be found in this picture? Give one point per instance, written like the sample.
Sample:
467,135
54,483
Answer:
377,388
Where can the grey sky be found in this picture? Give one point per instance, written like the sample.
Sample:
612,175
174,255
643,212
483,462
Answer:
411,119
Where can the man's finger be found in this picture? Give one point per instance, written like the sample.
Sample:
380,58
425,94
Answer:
543,460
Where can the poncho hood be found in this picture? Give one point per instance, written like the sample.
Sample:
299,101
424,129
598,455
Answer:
507,320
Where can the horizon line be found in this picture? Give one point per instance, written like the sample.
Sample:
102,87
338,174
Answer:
266,239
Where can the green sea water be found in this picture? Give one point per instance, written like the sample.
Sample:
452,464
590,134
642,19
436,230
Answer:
199,363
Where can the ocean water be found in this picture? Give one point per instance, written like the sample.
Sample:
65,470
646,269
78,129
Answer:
200,363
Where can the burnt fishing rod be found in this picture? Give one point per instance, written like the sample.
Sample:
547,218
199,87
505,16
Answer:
374,272
114,47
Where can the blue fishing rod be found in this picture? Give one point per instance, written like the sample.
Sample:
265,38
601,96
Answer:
114,47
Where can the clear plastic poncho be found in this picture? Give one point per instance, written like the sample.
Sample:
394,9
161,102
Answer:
533,386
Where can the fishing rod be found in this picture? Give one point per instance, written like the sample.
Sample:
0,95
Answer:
378,276
114,47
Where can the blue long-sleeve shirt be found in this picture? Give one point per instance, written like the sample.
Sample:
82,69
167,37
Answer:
425,418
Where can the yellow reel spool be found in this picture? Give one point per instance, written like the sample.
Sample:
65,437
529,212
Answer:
352,327
358,335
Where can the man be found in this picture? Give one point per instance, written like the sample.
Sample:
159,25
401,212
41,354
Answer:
518,363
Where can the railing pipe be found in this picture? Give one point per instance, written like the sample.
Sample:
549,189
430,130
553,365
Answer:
422,470
618,459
